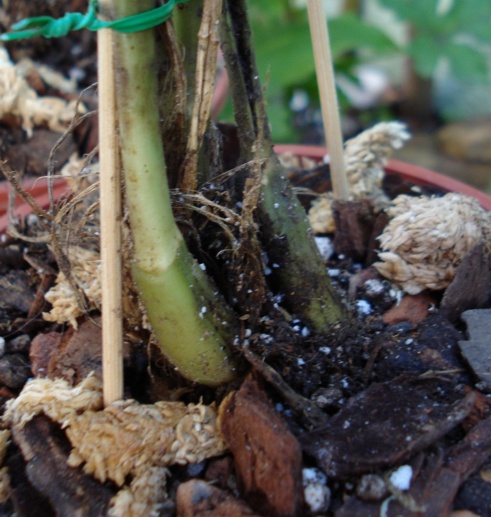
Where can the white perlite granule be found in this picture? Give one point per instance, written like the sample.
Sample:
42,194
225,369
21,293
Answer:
401,478
316,493
427,238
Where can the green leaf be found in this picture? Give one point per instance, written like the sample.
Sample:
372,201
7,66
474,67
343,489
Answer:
425,52
285,58
284,52
280,119
348,33
466,62
421,13
472,18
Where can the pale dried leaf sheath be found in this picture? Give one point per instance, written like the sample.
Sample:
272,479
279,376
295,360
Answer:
143,497
125,439
427,239
56,399
85,270
365,157
208,43
18,99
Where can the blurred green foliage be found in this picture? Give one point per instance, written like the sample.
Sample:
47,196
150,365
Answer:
460,33
285,57
457,34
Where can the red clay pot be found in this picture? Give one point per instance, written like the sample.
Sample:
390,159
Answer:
38,188
220,95
418,175
414,173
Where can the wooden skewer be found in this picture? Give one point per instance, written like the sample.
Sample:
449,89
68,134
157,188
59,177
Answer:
328,97
110,215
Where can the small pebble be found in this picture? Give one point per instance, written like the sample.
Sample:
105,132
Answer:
371,488
2,346
14,371
316,493
326,249
19,345
325,397
195,469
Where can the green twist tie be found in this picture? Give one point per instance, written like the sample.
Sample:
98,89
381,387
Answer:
56,28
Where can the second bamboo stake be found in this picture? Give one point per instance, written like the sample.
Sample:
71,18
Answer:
328,97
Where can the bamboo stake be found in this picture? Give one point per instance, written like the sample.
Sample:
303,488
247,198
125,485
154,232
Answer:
328,97
110,203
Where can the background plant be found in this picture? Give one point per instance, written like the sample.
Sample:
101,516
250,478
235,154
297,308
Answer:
284,55
456,33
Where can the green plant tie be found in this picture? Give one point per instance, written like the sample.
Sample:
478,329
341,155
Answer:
55,28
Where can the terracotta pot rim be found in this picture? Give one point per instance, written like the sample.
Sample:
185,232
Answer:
37,187
418,175
220,94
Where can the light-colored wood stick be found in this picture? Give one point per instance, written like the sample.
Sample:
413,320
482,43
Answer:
110,203
328,97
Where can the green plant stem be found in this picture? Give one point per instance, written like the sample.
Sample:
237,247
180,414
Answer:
284,228
189,319
187,22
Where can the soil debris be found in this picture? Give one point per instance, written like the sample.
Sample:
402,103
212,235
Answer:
70,491
412,308
198,498
15,291
354,222
79,353
397,419
14,370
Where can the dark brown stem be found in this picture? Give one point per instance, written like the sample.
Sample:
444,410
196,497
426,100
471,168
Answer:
299,272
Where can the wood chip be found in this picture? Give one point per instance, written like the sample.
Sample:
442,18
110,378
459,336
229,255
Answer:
69,490
268,457
385,424
471,286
